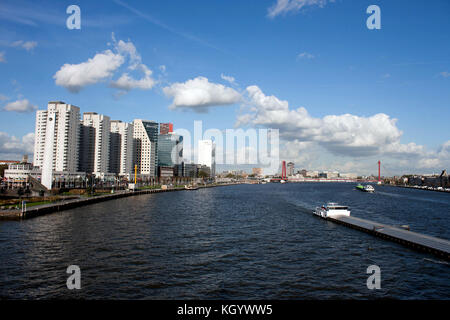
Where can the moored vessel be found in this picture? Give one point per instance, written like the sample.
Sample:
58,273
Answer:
331,210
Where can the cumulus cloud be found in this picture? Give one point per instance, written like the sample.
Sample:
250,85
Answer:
74,77
285,6
198,94
445,74
230,79
126,82
2,57
21,106
11,146
103,66
346,134
27,45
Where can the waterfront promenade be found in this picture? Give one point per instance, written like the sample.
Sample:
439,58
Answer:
74,203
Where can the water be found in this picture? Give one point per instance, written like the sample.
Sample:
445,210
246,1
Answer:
236,242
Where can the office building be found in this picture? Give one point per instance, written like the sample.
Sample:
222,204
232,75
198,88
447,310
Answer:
170,149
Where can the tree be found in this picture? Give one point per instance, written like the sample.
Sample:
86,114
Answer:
203,174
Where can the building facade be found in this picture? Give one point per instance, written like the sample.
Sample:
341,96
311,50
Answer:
170,150
145,135
165,128
98,126
121,152
290,168
57,139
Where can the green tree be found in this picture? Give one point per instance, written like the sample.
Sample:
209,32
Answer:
203,174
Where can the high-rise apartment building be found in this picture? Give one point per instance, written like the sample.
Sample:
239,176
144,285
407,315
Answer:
121,148
94,146
145,135
56,139
207,155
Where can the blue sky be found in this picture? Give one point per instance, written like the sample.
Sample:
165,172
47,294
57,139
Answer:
315,54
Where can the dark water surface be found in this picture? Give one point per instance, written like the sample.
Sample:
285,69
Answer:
236,242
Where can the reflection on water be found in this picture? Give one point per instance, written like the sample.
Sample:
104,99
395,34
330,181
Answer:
246,241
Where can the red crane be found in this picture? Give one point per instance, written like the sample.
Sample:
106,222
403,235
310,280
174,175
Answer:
379,171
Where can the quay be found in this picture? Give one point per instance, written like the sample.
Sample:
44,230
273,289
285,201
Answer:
417,241
43,209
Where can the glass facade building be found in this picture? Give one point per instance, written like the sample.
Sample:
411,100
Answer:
170,150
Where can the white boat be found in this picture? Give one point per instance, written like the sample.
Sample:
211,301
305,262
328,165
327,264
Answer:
331,210
369,188
282,181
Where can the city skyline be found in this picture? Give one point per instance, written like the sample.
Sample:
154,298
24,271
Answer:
341,95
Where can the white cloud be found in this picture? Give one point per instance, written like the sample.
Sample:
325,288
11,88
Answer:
103,66
74,77
305,55
3,97
445,74
2,57
21,106
230,79
199,94
10,146
346,134
285,6
27,45
126,83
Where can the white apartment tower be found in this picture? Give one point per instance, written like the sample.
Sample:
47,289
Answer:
56,139
95,143
121,148
146,145
207,155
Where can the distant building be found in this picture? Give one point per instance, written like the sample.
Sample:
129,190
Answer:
145,137
257,171
207,155
290,168
190,170
323,175
348,175
165,172
165,128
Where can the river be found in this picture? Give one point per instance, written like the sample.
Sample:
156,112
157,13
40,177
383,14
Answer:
234,242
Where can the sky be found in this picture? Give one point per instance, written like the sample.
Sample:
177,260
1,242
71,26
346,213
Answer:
342,96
